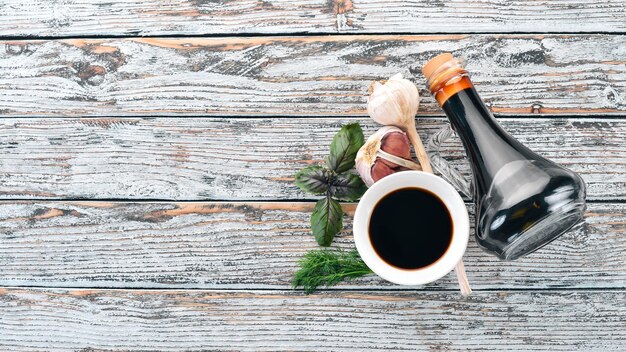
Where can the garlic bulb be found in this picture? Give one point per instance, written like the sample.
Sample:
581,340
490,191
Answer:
393,103
385,152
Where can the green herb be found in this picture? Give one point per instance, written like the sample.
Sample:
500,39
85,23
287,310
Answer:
326,220
336,181
344,147
326,267
313,179
348,187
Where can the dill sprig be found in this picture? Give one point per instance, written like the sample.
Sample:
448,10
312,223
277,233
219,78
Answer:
326,267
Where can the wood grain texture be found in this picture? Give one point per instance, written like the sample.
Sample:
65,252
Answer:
324,75
246,158
43,18
255,245
122,320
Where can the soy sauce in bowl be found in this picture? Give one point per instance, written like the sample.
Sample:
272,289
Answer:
410,228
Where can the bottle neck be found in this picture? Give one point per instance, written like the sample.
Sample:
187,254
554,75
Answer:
453,86
449,78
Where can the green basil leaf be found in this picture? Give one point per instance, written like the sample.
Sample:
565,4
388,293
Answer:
347,186
313,179
344,147
326,221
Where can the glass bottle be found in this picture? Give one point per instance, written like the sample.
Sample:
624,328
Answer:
523,201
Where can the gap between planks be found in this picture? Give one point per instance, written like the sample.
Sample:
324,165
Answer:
293,292
321,291
295,35
40,18
348,117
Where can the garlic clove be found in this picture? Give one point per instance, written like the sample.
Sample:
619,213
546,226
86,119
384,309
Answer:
396,143
380,170
364,169
366,156
377,158
373,144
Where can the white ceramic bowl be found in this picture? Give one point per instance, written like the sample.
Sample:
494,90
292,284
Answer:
452,201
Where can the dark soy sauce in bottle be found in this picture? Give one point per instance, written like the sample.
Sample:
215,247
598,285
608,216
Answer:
410,228
523,201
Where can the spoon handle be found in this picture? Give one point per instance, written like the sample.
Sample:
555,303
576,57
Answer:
424,161
462,279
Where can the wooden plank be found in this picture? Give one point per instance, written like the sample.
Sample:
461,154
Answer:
325,75
246,159
158,17
123,320
466,16
255,245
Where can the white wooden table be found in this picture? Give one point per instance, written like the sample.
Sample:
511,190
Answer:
147,153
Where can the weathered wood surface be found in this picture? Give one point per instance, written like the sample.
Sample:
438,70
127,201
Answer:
324,75
254,245
43,18
246,159
97,119
122,320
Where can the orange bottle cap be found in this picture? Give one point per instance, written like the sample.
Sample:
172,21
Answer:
446,76
433,64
